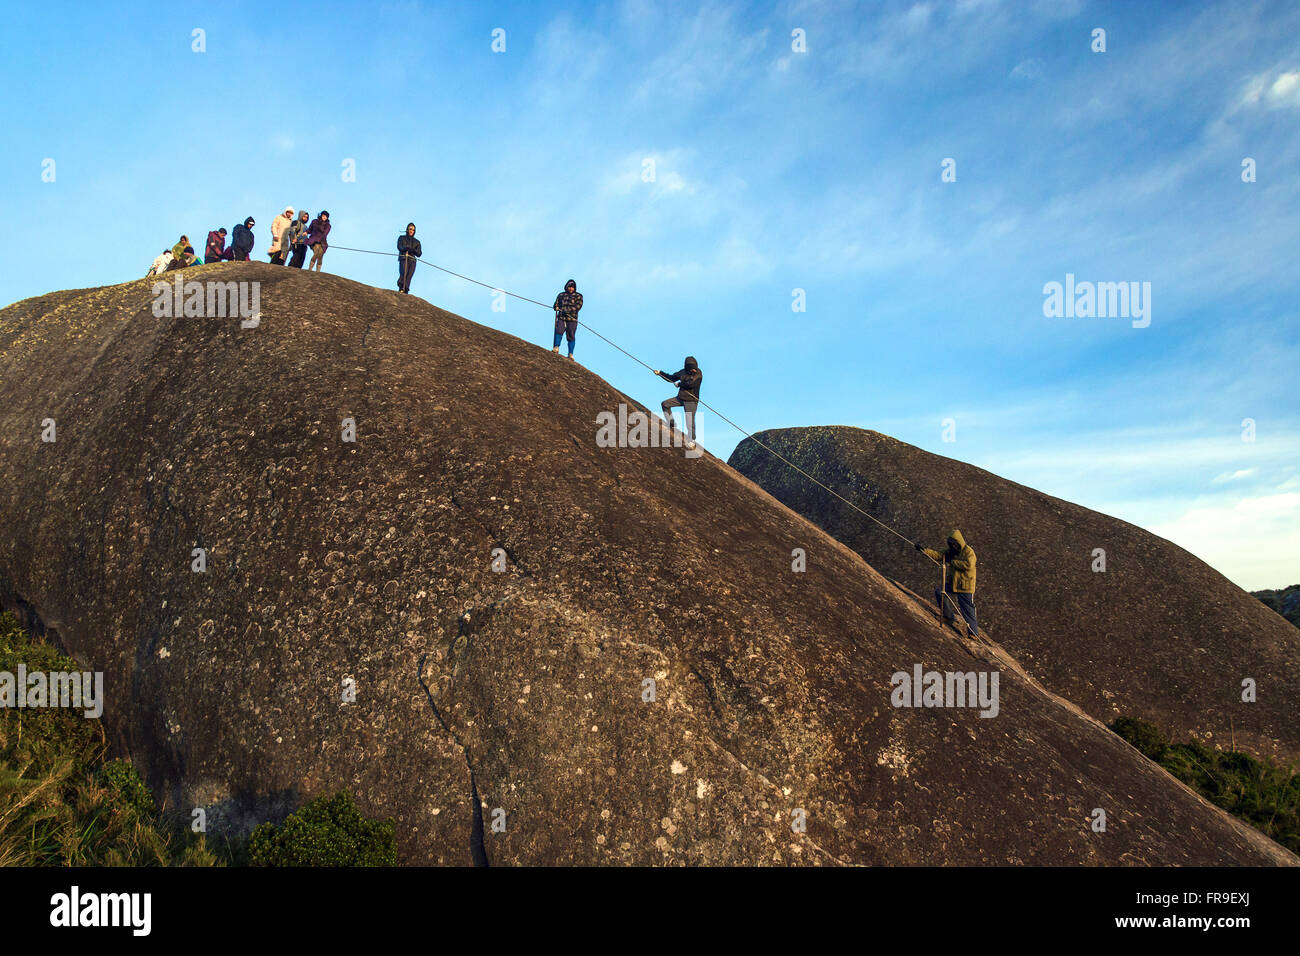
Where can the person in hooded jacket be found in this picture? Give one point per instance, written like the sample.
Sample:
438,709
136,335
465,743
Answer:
316,238
279,225
216,247
160,264
188,258
688,382
297,240
959,580
408,248
241,241
567,306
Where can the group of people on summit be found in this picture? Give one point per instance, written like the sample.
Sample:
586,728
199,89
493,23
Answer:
291,237
292,234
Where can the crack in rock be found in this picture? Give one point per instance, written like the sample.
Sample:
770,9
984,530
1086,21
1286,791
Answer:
476,848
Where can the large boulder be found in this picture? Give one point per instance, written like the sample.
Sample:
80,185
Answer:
1157,634
646,681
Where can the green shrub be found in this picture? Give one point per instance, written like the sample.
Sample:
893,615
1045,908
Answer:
61,803
1260,792
1145,736
328,831
124,780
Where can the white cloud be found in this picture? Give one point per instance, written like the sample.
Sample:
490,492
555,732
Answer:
627,177
1253,541
1270,89
917,17
734,260
1029,69
711,52
1077,467
1227,476
1285,90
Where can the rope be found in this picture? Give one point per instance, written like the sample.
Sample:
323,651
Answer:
767,448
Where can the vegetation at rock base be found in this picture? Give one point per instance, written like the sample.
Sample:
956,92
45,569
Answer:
328,831
1260,792
62,803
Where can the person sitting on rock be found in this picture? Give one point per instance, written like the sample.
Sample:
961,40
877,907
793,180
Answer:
160,264
186,258
959,580
688,382
567,306
178,250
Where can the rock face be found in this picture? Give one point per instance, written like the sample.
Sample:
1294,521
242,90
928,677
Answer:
1159,634
647,680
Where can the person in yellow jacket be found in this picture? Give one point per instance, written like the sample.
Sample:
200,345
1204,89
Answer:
959,580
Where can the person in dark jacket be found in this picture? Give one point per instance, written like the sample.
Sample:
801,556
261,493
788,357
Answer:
688,382
316,239
216,248
408,248
959,580
241,241
298,240
567,306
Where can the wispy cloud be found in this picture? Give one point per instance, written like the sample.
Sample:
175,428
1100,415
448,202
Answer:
1255,541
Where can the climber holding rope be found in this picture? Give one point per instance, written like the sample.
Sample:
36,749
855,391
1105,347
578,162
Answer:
409,252
567,306
959,580
688,396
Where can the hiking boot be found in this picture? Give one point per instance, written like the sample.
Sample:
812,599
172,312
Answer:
690,445
556,350
571,358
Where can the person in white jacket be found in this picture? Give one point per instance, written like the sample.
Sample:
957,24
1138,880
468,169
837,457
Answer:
279,226
160,264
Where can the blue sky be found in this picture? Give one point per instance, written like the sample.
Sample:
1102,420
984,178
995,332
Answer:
775,170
